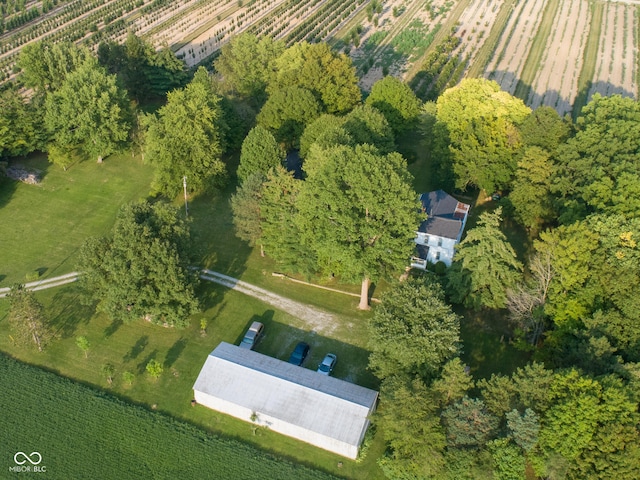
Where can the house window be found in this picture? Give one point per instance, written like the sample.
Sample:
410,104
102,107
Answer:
439,242
437,256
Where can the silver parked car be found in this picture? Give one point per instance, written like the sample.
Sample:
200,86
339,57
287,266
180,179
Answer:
327,364
252,336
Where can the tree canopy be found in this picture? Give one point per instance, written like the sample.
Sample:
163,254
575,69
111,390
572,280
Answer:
358,212
329,75
287,112
259,153
141,270
396,101
184,139
89,112
413,331
485,265
597,169
45,65
247,63
478,124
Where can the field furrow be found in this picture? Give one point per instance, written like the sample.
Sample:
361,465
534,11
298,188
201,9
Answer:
556,84
615,71
513,50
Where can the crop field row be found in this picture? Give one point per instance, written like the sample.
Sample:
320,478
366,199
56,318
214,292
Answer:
616,67
513,49
556,83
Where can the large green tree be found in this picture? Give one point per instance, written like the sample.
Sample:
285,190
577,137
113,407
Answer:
413,331
259,153
281,235
478,124
287,112
45,65
144,72
245,205
358,212
89,112
485,265
21,129
366,124
26,316
184,138
598,168
325,131
531,192
141,270
329,75
247,64
411,426
396,101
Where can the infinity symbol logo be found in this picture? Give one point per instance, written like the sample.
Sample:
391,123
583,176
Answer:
29,458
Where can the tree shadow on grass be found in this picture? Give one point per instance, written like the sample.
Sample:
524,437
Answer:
137,348
174,352
67,311
142,366
112,328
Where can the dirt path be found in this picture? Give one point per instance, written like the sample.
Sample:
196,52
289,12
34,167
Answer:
44,284
318,320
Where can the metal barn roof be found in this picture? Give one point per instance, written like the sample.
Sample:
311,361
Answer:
324,405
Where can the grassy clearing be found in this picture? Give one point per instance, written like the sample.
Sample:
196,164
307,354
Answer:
482,58
46,224
85,433
590,58
538,46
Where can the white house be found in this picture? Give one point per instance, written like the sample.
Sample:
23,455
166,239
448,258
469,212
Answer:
438,235
321,410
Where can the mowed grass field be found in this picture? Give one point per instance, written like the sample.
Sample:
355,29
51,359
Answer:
81,432
44,225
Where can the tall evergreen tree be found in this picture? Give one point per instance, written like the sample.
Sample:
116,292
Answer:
485,265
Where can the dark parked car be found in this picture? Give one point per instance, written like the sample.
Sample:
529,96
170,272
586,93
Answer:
329,361
299,354
252,336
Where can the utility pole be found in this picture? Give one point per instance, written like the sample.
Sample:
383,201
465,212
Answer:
184,184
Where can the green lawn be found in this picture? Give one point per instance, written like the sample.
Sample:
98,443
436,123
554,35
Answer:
44,225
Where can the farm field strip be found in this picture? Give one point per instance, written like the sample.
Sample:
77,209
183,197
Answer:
616,68
486,44
513,50
393,27
448,23
476,23
556,82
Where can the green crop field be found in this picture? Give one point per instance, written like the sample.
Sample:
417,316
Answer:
83,433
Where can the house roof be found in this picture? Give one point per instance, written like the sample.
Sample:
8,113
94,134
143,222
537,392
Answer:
445,214
322,404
